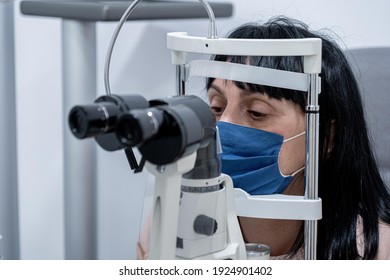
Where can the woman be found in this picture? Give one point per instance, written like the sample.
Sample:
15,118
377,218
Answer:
258,122
356,203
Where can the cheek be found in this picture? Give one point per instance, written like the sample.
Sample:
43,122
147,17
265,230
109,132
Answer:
292,156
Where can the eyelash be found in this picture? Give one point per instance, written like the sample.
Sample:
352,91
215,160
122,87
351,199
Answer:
255,115
216,110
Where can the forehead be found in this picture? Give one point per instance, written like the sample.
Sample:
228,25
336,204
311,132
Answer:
229,88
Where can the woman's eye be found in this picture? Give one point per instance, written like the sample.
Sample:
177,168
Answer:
256,115
217,110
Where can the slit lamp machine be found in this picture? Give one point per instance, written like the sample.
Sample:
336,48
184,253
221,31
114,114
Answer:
195,206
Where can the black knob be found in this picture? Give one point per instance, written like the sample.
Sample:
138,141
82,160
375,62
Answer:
205,225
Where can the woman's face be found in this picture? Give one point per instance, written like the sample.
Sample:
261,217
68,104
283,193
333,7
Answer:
246,108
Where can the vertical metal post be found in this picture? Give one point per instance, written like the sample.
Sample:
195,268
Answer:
180,88
9,221
311,183
79,87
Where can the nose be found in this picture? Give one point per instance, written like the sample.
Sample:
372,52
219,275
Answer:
230,115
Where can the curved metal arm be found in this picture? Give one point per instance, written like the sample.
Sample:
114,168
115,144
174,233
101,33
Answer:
212,27
112,43
212,35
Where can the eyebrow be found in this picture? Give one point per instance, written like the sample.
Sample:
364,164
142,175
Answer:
242,91
217,88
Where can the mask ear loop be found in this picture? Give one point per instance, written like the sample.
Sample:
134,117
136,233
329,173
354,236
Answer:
300,169
294,173
295,136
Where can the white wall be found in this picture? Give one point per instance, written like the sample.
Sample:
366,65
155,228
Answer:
40,116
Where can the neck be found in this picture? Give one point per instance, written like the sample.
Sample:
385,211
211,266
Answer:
296,186
280,235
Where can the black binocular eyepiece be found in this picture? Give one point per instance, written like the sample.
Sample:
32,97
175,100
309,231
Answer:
99,119
163,129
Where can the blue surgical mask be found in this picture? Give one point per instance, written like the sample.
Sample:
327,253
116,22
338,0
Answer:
250,157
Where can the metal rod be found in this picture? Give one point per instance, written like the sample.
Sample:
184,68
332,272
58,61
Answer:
212,27
180,83
311,178
79,87
212,34
9,218
114,37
